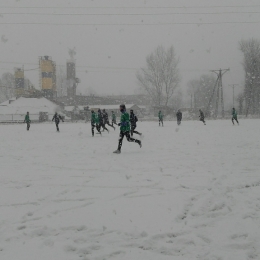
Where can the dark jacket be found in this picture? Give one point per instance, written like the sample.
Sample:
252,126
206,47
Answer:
113,117
27,119
179,115
202,115
133,119
105,116
100,117
57,119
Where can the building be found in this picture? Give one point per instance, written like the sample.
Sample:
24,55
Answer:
19,81
47,77
80,100
14,110
72,81
83,112
131,99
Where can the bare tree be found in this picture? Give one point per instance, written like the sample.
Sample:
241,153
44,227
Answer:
202,91
27,83
193,86
3,94
161,77
177,100
251,51
240,100
8,80
7,85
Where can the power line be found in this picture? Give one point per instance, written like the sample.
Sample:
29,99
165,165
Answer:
90,68
78,66
233,86
13,62
32,69
131,24
24,69
129,7
128,14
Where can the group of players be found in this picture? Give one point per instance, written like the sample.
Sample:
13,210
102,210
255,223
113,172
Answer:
56,118
127,123
101,119
179,117
201,117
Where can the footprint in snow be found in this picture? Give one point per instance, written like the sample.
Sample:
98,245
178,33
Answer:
21,227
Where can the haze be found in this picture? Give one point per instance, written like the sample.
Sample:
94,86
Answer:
110,48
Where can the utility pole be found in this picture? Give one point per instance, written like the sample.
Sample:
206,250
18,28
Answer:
233,86
194,100
220,74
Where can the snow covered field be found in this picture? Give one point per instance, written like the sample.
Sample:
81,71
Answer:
191,192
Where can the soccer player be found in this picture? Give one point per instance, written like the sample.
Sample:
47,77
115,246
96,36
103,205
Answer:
106,120
234,116
27,120
179,116
125,130
113,118
94,123
202,117
57,119
160,116
101,121
133,120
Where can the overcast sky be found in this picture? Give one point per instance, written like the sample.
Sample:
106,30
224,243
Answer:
111,47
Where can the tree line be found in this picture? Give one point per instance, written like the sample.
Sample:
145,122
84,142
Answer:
248,101
160,80
251,63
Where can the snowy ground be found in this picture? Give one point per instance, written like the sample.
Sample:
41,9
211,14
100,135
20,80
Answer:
191,192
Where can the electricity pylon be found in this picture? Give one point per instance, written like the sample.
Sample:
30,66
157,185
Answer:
219,85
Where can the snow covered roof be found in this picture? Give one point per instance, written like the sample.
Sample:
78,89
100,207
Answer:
32,105
71,108
128,106
108,107
7,102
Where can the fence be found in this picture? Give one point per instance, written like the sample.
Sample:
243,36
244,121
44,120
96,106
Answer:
17,118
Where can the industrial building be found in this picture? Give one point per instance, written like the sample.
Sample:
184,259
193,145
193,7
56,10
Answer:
47,77
19,81
47,80
22,88
72,81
